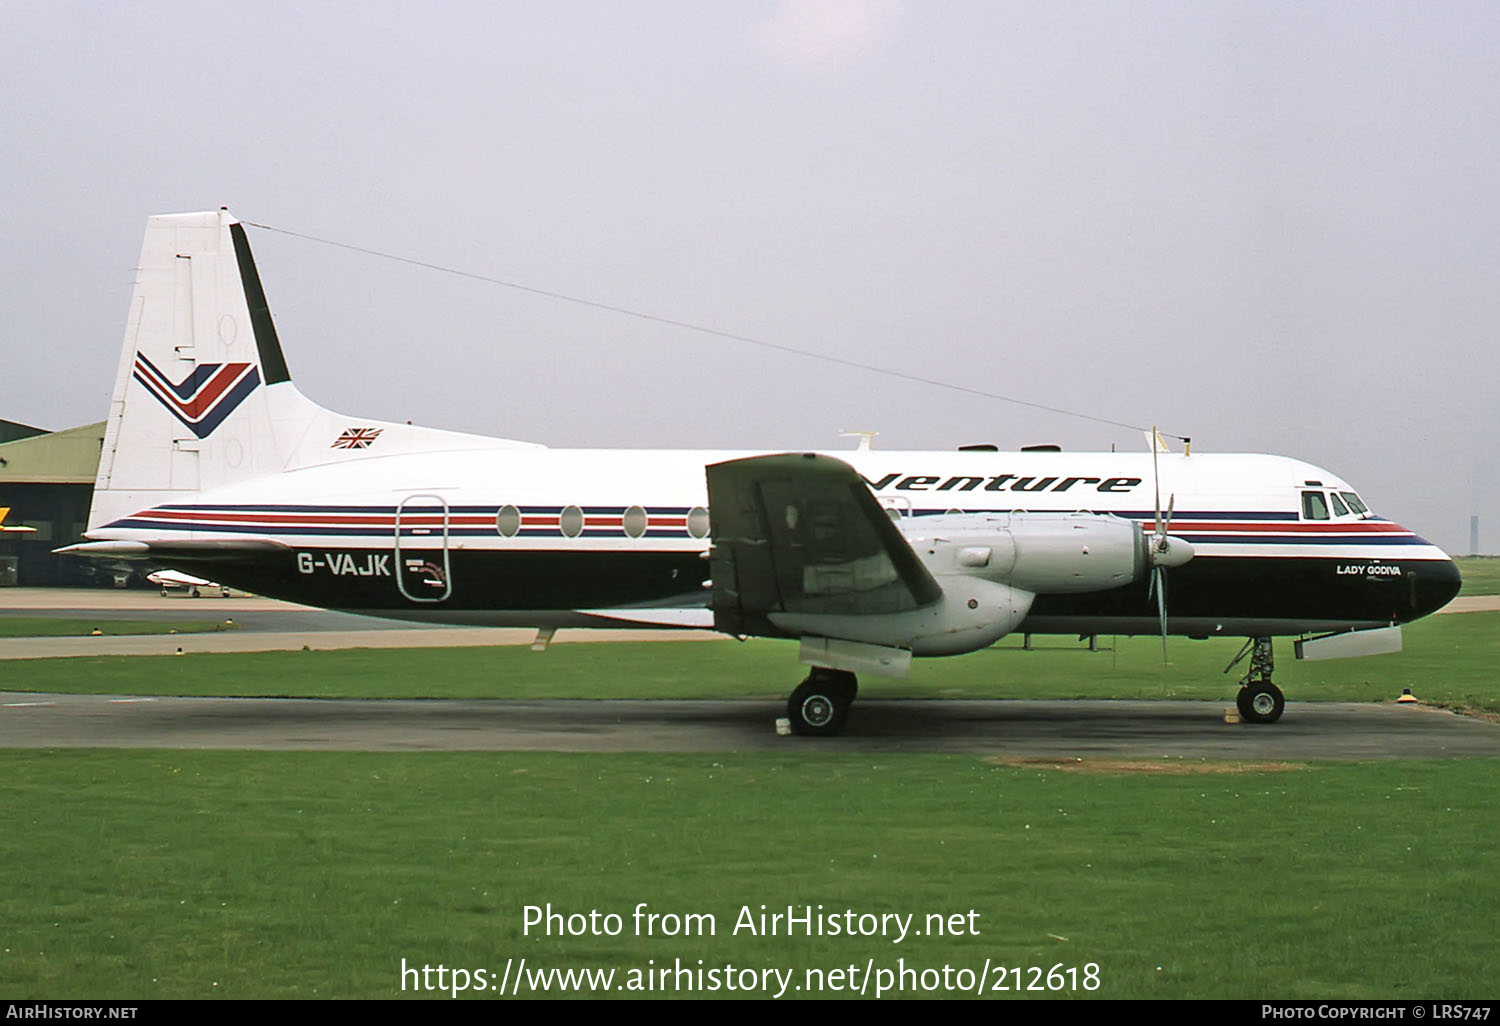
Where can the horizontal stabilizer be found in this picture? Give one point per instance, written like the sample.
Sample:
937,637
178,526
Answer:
207,549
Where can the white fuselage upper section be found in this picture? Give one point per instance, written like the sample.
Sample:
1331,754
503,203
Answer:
1224,504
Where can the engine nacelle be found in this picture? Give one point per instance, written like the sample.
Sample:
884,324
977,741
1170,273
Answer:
991,566
973,613
1043,553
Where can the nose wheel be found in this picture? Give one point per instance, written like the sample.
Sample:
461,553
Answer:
820,704
1259,701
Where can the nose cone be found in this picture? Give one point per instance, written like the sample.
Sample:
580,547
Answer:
1437,582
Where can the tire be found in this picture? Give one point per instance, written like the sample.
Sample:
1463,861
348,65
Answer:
1260,703
820,704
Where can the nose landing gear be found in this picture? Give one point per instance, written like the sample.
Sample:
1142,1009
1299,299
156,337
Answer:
1259,700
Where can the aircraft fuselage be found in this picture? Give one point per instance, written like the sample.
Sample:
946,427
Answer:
545,537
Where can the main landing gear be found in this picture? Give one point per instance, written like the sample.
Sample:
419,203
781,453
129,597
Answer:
820,704
1259,700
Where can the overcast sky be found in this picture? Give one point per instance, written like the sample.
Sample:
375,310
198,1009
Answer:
1274,227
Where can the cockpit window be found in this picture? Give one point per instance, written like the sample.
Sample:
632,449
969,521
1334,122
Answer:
1339,509
1314,506
1355,504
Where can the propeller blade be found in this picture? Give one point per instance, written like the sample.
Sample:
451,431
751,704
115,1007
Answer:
1156,479
1160,547
1161,609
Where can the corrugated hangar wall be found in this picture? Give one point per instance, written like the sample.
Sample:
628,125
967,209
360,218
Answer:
47,480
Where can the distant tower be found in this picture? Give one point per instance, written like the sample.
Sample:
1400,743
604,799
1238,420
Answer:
1474,535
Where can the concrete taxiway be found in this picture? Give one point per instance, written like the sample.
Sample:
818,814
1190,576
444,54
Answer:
259,625
1014,728
1074,729
282,641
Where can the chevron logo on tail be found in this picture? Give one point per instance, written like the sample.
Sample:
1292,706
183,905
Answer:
205,397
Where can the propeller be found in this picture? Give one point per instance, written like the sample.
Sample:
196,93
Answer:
1165,550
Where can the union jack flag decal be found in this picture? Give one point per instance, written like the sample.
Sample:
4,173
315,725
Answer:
356,438
205,397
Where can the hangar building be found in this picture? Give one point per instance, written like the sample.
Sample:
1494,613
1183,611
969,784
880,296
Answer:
47,480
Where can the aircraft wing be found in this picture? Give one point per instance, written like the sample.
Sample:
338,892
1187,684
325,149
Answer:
801,533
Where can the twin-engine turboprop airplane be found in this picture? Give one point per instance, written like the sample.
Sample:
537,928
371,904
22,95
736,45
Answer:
215,463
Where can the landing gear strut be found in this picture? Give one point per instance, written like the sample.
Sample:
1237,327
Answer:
1259,700
820,704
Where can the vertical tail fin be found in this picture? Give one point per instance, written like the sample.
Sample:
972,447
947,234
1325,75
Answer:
202,396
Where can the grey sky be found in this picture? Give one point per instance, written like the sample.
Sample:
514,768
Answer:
1274,227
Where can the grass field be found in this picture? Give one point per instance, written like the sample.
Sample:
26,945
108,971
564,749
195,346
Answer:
140,874
1481,575
1447,659
192,874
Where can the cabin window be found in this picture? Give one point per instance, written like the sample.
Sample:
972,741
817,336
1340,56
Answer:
571,521
697,522
1339,509
635,521
1314,506
896,507
508,521
1355,504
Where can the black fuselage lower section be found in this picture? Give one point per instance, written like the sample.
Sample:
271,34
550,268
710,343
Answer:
1210,595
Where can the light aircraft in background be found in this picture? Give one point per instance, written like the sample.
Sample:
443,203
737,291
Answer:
170,580
214,461
12,528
